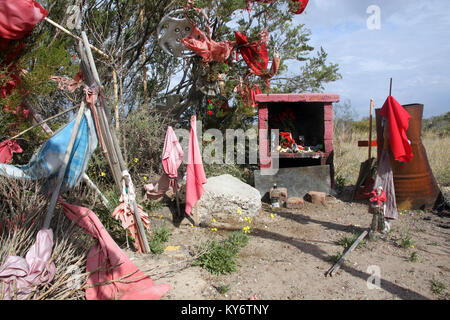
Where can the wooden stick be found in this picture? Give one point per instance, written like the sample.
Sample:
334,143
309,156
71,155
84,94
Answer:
75,37
113,144
62,170
338,264
370,128
90,58
177,197
116,98
390,88
96,189
42,122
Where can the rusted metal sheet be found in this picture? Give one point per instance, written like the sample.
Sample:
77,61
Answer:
415,185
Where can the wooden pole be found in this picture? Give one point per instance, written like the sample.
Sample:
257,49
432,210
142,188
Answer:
177,197
143,53
390,88
114,148
338,264
75,37
90,58
62,170
370,128
42,122
116,99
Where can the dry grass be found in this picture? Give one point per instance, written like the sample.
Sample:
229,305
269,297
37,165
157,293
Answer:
22,213
348,156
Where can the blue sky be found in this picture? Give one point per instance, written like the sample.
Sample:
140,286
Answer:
412,46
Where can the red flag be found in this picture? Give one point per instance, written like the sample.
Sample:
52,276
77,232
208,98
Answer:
18,17
398,121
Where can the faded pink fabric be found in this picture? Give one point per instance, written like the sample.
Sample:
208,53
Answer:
68,84
207,48
172,157
25,274
7,148
195,176
126,216
131,283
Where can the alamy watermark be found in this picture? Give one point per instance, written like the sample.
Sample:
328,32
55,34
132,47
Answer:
374,20
235,142
74,280
374,281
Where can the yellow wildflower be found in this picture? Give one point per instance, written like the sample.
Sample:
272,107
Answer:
239,211
213,220
246,229
213,229
145,178
413,246
192,225
102,174
136,160
272,216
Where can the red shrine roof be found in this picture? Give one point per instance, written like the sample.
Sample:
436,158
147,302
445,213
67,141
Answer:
297,97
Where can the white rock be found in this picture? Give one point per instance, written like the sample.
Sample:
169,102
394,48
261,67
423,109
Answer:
227,195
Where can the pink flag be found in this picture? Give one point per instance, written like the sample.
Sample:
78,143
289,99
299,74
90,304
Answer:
172,157
195,177
114,276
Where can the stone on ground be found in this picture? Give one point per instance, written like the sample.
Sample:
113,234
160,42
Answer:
227,196
295,203
316,197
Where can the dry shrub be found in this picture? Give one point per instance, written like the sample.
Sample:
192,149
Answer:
438,152
25,208
348,156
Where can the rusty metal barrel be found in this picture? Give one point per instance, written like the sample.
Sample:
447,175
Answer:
414,182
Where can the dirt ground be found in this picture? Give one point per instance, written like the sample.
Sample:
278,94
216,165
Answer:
287,256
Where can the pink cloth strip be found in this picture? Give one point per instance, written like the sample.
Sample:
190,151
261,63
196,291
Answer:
114,276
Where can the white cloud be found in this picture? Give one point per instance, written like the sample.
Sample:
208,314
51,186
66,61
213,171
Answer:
412,47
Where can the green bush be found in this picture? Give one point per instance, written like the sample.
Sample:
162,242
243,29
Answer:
220,257
158,238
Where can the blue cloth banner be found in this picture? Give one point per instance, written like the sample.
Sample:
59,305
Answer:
48,159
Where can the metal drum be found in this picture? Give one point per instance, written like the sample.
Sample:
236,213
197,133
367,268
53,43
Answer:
415,185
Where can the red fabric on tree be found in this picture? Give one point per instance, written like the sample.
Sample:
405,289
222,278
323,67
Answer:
207,48
298,6
255,54
398,123
18,17
109,265
254,92
7,148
